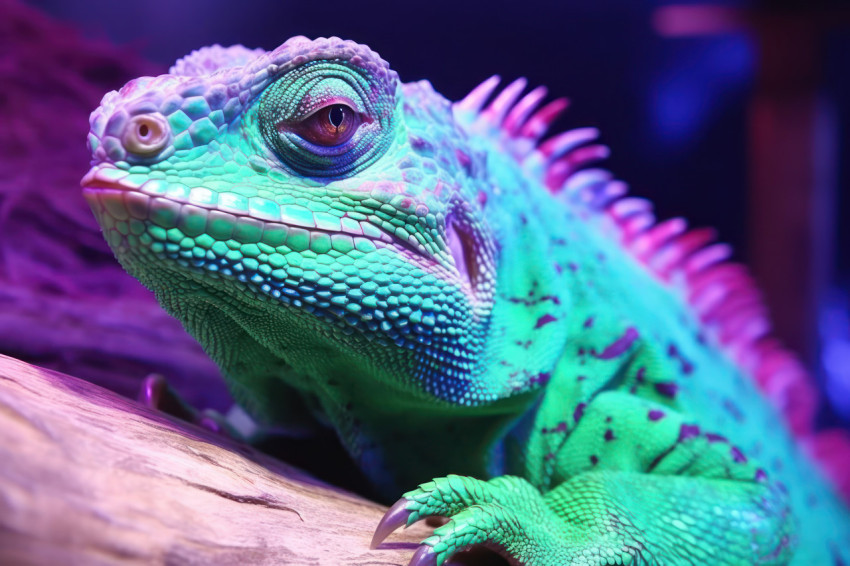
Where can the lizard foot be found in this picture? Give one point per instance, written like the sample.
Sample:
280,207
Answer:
506,515
157,394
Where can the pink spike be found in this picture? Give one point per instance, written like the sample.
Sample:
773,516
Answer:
798,403
474,101
750,330
735,306
769,353
729,276
831,450
746,326
747,355
785,381
584,155
737,301
706,300
705,257
585,178
724,285
558,172
522,109
725,272
495,113
540,121
557,146
671,256
628,206
593,196
705,303
650,241
610,192
635,225
721,316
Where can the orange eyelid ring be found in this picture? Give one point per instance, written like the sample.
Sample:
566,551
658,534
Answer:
146,134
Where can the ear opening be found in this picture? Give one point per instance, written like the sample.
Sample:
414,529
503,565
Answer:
462,246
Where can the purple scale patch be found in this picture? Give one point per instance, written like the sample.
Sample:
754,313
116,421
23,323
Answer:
716,437
579,412
609,435
667,389
737,455
594,459
761,475
541,378
544,320
656,415
673,352
734,410
688,431
619,346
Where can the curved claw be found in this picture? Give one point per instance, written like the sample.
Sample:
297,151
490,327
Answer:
394,518
424,556
151,391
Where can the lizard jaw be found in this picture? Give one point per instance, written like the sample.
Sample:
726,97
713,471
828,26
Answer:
117,195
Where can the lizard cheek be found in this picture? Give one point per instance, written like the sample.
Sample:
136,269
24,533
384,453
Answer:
146,134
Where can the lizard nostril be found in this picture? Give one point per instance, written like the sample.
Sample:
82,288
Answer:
146,134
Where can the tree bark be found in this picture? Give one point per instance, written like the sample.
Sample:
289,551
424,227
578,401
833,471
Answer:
89,477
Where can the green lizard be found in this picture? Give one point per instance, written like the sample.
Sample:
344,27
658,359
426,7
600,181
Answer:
453,296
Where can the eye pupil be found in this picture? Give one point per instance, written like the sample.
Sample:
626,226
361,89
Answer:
336,115
144,130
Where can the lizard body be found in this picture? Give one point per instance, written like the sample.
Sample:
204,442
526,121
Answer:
453,297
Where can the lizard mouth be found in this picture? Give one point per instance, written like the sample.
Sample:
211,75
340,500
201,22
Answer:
117,197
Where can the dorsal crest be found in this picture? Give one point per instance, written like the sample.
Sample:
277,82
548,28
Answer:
691,263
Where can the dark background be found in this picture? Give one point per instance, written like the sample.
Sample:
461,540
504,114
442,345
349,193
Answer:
674,110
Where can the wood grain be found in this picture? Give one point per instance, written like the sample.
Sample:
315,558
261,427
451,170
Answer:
88,477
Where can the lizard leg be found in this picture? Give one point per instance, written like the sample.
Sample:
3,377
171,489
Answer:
601,518
642,487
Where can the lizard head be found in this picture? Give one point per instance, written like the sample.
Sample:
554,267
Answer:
303,214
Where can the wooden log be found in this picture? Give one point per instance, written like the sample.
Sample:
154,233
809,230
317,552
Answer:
89,477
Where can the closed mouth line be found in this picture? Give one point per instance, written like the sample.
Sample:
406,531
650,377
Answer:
123,199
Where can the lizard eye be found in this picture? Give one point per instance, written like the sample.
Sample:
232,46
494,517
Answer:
146,134
328,126
328,118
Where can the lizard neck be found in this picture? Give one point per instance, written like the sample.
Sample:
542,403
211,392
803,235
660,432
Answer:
399,448
532,305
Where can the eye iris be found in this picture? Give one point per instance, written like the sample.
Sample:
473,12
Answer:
330,126
336,115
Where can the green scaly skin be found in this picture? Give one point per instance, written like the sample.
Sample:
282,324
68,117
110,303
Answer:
356,250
